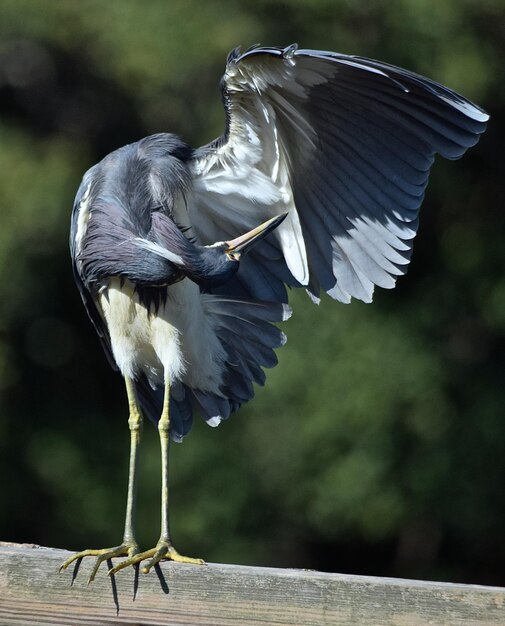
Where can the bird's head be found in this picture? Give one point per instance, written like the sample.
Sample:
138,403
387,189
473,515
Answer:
220,261
208,266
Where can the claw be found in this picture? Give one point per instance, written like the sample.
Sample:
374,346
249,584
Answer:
125,549
160,553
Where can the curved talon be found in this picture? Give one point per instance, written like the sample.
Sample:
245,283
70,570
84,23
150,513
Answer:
102,555
160,553
98,562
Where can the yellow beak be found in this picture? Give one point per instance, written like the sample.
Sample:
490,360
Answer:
242,243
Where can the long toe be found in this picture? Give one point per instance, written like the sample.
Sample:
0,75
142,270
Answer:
102,554
173,555
162,551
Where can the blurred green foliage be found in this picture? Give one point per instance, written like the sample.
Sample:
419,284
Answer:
377,445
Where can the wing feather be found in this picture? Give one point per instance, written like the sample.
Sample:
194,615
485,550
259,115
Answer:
77,225
345,146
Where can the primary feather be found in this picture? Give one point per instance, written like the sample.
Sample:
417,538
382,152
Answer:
345,145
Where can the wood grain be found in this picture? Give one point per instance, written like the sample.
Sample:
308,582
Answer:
32,591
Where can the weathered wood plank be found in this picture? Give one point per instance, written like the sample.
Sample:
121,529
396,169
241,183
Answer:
33,592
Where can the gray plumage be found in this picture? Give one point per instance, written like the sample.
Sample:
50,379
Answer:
343,145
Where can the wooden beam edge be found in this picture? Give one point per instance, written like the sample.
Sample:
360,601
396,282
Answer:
31,588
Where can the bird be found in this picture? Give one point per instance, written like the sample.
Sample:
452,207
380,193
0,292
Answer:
184,256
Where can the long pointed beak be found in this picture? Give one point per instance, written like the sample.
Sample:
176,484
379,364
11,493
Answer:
241,244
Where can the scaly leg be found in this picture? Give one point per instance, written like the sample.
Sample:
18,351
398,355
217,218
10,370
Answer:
129,546
164,548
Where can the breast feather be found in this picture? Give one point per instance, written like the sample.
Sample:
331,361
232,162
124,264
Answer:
178,342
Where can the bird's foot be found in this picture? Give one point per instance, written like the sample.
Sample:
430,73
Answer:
104,554
163,551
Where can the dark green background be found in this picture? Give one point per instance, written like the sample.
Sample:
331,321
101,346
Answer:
377,445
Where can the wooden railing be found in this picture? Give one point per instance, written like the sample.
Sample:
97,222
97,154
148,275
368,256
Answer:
33,592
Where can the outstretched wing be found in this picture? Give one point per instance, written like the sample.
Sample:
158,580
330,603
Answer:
343,144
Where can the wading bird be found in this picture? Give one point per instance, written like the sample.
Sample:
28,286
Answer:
323,164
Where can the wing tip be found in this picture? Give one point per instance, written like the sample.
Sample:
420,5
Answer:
287,311
290,51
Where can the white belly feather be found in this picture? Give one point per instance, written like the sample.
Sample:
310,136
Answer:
176,343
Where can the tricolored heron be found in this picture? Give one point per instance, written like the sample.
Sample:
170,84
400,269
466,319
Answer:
323,163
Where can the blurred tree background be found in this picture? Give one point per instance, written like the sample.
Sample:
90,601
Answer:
378,444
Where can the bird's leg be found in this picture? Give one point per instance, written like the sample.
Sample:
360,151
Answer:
164,548
129,546
135,424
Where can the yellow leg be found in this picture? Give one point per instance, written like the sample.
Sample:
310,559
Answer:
164,548
135,424
129,546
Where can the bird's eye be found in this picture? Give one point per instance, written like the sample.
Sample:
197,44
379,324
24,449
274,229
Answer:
233,256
